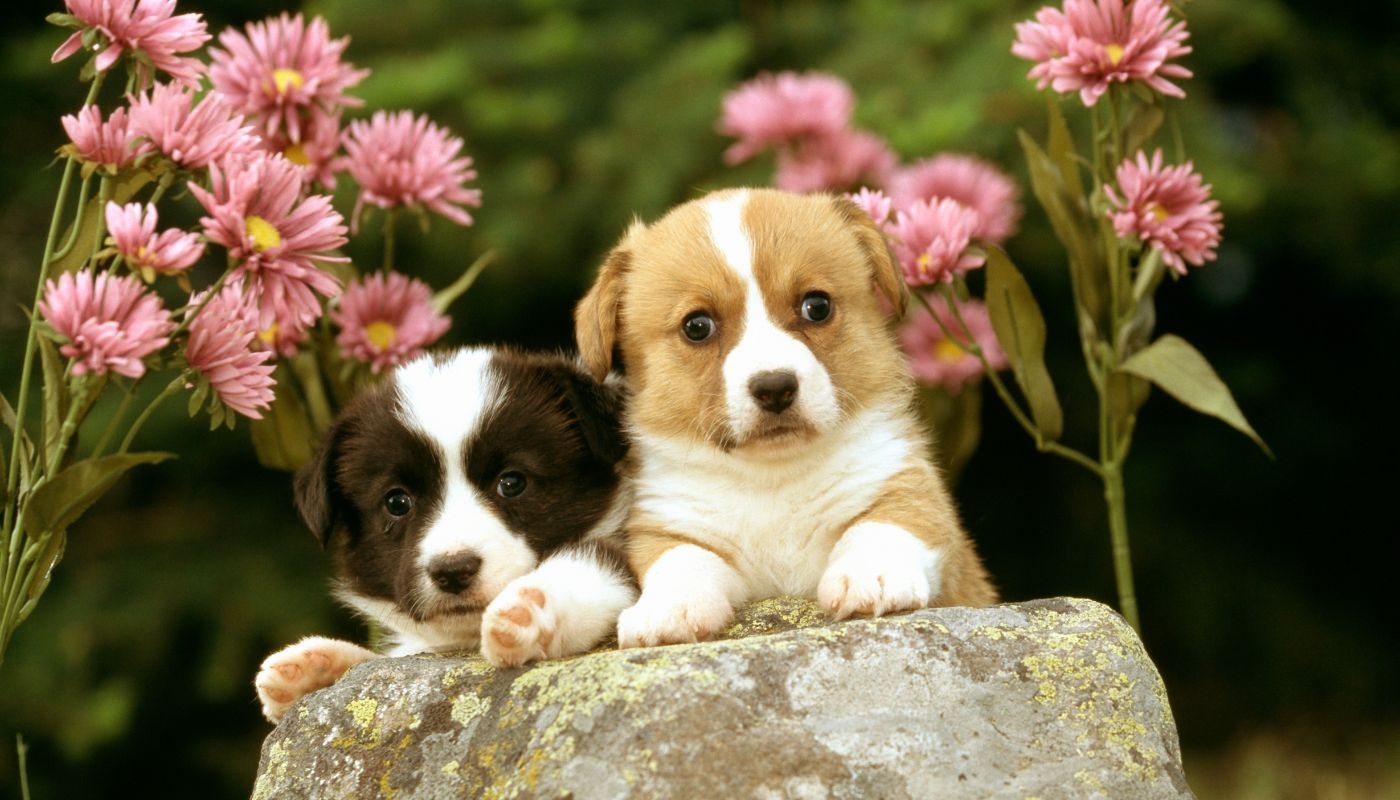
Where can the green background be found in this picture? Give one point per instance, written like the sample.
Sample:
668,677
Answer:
1266,589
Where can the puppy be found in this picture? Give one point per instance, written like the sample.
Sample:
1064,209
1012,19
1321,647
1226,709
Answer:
775,449
471,499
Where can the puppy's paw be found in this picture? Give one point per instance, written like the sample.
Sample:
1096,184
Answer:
300,669
520,626
872,584
659,620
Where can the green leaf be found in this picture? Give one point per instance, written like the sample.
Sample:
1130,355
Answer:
56,398
90,220
52,554
19,439
58,502
1020,328
444,299
1142,126
1060,147
284,438
1182,372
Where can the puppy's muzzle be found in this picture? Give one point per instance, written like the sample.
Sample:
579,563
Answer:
453,572
774,390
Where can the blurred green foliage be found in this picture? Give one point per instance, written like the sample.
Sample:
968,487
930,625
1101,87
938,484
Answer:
1264,591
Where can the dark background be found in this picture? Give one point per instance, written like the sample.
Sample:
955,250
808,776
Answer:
1266,589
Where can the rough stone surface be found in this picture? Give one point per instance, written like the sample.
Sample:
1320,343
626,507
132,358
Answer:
1048,699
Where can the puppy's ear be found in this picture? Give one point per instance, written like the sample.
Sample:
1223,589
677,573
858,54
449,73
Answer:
596,317
314,488
886,274
597,410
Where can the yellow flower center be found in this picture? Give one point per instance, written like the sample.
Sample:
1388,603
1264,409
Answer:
296,154
947,351
924,261
381,334
268,335
287,79
1115,53
1158,211
265,235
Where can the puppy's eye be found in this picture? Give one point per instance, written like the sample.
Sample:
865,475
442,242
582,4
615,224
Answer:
815,307
510,484
398,502
698,326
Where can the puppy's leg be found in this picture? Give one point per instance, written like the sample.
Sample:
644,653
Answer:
907,551
688,593
299,669
567,605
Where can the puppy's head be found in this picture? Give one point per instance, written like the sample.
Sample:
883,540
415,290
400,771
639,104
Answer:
457,475
748,319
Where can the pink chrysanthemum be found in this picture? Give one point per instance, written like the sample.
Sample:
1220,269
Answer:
273,234
282,69
387,319
1167,207
219,348
402,160
144,28
285,336
931,238
776,110
108,145
1094,43
191,134
969,180
836,161
873,202
107,321
938,361
133,230
317,152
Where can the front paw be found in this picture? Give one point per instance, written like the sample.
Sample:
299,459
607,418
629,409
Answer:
870,584
653,621
520,626
300,669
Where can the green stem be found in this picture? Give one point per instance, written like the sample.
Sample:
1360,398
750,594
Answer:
117,417
389,219
313,390
22,751
67,247
969,345
1116,498
189,314
172,388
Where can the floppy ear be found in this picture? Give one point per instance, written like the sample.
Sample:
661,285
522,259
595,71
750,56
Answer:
597,409
314,488
886,274
596,316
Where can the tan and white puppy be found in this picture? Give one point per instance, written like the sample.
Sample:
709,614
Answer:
775,447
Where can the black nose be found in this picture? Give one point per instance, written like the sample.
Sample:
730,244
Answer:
454,572
774,390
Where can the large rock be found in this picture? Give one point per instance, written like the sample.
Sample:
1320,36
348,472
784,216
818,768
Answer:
1048,699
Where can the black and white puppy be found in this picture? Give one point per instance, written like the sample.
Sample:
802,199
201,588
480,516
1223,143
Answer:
472,499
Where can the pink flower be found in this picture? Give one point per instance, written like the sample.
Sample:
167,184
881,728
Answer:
939,361
317,152
776,110
282,69
133,230
108,321
930,239
402,160
284,336
219,348
143,28
387,319
969,180
1093,43
835,161
193,135
274,234
1168,208
873,202
102,144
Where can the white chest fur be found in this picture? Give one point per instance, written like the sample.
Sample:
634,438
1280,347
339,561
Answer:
778,517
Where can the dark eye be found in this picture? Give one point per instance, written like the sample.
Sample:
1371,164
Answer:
698,326
815,307
510,484
398,502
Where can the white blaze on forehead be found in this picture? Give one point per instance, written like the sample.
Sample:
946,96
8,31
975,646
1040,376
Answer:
447,402
765,345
